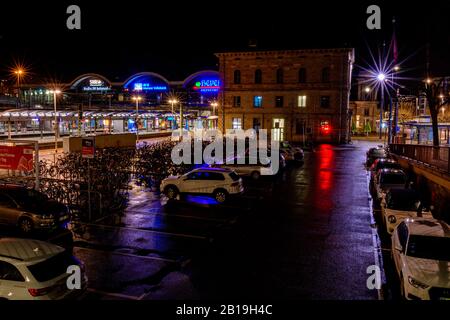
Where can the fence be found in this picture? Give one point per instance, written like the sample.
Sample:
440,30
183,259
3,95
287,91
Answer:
437,157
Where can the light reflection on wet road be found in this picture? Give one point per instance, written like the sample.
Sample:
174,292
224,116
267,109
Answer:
307,236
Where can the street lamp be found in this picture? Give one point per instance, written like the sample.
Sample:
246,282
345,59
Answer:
214,105
137,99
172,102
381,77
55,92
19,73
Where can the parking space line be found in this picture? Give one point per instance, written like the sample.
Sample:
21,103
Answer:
173,234
112,294
130,255
376,241
176,215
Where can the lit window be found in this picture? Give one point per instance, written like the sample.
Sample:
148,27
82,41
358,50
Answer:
257,101
236,123
301,101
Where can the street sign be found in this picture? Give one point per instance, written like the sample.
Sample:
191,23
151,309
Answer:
88,148
16,158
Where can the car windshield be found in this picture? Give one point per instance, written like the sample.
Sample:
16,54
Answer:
404,202
393,179
234,176
428,247
388,165
54,267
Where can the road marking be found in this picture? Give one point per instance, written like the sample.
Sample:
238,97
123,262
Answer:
376,241
175,215
129,255
112,294
173,234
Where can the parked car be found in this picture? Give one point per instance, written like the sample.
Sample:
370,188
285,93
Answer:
399,204
221,183
29,209
375,153
290,152
387,179
383,163
251,167
420,249
36,270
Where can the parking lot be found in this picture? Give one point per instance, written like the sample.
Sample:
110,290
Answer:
305,234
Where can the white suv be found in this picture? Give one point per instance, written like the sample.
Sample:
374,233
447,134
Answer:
420,249
36,270
399,204
218,182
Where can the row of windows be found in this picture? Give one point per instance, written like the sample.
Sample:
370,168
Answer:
279,76
279,101
300,125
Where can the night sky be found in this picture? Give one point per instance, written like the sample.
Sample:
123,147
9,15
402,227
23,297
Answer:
119,39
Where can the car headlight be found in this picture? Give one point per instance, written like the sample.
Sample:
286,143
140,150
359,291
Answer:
417,284
392,219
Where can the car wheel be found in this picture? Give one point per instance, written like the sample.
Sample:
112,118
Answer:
220,195
171,192
25,225
255,175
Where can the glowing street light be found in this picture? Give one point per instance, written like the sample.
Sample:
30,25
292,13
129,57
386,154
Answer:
137,99
367,89
214,105
19,73
55,92
172,102
381,77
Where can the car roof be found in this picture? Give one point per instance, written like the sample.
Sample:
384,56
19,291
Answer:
27,249
428,227
382,160
222,170
391,171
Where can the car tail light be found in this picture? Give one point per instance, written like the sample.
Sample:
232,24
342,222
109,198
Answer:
40,292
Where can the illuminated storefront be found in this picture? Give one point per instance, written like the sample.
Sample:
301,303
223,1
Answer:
96,104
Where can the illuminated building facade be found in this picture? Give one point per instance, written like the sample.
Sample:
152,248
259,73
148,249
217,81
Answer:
298,95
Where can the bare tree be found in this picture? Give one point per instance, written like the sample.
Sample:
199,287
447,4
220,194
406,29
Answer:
406,110
436,92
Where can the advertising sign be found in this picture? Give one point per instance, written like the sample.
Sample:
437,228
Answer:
16,158
88,148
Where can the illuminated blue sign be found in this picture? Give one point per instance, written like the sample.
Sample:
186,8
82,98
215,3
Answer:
207,85
139,86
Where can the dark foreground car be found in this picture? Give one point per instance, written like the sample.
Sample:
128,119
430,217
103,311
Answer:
29,209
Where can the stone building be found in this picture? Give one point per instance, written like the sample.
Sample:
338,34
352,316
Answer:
296,94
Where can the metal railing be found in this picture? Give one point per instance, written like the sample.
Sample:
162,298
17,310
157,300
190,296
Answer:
437,157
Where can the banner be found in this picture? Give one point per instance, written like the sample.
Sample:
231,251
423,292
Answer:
16,158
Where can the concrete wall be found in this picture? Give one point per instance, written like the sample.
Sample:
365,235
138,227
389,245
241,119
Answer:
435,186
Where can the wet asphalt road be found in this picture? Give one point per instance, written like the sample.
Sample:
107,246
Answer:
308,234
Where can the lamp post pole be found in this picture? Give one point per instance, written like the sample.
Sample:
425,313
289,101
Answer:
181,121
55,92
137,117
